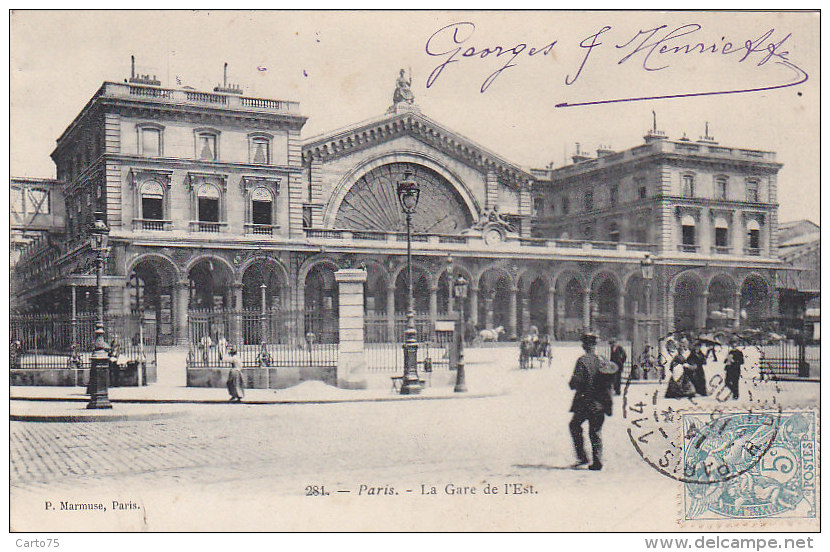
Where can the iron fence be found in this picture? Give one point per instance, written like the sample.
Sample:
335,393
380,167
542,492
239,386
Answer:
58,341
790,358
271,338
383,344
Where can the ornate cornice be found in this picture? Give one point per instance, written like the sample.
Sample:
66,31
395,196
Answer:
139,175
194,178
681,210
248,183
361,136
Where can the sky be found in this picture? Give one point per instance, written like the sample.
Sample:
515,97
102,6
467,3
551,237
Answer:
342,66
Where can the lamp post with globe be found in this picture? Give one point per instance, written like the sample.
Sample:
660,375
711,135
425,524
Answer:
408,195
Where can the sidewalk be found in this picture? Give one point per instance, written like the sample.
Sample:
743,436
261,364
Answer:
56,404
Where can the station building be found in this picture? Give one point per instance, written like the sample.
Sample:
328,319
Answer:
210,195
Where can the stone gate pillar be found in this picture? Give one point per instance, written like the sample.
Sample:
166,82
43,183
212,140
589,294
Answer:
351,364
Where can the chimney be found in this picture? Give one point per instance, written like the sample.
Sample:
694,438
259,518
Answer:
225,87
706,139
602,151
141,79
579,156
653,134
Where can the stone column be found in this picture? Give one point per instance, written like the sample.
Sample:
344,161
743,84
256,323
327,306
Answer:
236,321
390,312
586,309
704,310
551,311
474,306
737,306
622,327
351,364
511,331
182,301
488,309
525,313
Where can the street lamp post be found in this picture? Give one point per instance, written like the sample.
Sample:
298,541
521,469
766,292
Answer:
408,194
459,289
99,362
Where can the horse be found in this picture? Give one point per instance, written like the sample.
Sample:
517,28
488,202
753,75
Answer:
532,347
489,335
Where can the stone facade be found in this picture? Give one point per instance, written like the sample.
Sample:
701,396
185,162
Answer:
211,195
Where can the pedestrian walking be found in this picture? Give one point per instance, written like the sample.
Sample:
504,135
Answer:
618,357
697,375
592,380
236,384
734,361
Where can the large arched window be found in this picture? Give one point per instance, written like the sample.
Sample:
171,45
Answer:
208,203
753,238
152,201
721,235
687,228
262,211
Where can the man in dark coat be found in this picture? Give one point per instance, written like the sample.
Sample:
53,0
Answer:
618,357
592,380
734,361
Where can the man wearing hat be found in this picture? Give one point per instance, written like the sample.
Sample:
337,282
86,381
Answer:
592,380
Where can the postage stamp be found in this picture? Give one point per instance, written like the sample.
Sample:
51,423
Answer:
782,482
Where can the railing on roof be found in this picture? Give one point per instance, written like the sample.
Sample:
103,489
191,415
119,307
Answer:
174,95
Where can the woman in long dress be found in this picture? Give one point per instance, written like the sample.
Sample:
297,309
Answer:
236,384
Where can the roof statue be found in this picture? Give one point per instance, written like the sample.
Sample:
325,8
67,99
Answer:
403,90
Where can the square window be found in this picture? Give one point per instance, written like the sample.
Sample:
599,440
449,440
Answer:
150,142
688,186
206,147
752,191
721,188
260,151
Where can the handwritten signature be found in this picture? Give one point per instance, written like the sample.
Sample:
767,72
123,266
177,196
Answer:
653,48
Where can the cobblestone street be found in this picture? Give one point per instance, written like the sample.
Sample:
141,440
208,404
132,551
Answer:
248,466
